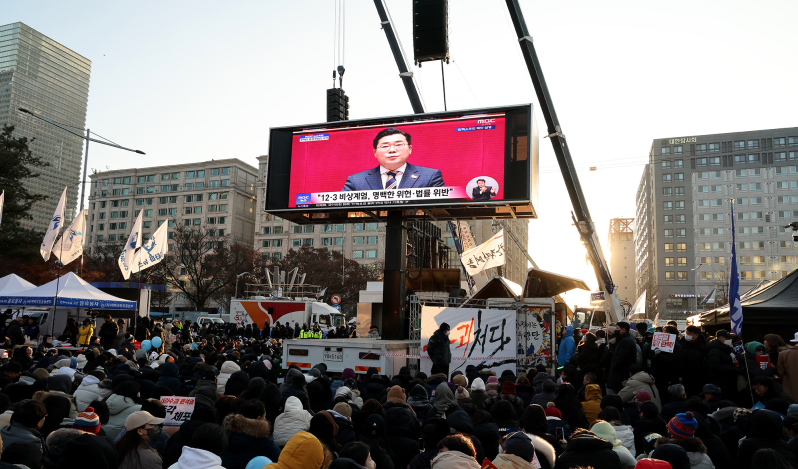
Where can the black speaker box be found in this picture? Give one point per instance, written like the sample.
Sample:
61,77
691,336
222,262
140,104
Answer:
430,30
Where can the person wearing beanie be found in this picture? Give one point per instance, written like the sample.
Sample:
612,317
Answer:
478,394
519,452
673,454
682,426
585,449
554,422
492,388
464,400
647,463
605,431
87,421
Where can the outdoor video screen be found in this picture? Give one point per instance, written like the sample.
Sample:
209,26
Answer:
441,160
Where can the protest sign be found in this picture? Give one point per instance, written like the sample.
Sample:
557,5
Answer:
481,337
178,410
663,342
763,361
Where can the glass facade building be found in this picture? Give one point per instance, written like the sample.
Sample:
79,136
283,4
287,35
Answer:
50,80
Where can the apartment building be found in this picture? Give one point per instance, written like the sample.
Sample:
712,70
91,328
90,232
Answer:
691,183
622,257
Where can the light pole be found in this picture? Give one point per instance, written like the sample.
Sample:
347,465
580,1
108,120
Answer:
237,277
86,157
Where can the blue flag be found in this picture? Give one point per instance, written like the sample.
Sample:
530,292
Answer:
735,309
706,298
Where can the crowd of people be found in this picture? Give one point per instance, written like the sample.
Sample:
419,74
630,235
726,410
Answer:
614,402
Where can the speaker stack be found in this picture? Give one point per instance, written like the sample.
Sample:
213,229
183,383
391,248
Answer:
430,30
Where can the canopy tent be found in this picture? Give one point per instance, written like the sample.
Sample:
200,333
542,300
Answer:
72,292
497,287
13,283
542,284
767,309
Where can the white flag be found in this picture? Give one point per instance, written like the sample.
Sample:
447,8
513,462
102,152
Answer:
486,255
70,246
52,230
153,251
2,199
133,242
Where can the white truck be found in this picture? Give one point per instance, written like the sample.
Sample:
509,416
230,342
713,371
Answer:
286,311
387,356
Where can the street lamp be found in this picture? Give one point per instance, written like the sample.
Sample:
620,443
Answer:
237,277
86,157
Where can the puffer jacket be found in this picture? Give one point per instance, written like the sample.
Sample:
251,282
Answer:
592,405
193,458
700,461
247,438
119,408
304,451
88,391
85,333
228,368
626,434
641,381
293,420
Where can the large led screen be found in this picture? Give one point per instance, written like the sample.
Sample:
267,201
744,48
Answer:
445,160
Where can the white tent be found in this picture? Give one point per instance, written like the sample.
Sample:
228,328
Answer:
72,292
13,283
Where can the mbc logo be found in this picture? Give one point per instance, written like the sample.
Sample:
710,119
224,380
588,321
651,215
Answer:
486,121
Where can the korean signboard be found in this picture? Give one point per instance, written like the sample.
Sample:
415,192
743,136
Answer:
663,341
178,410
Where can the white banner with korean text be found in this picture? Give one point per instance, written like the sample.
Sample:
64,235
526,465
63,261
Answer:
485,338
488,254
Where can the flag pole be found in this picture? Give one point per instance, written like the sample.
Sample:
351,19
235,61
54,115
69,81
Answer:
57,286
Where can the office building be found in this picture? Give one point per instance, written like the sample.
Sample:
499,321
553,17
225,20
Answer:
684,207
364,240
52,81
622,257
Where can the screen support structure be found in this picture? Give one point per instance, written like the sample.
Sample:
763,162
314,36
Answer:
393,291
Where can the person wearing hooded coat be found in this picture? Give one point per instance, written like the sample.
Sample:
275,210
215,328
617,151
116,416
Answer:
323,427
181,438
570,407
444,402
720,366
486,432
533,423
238,383
293,420
765,431
586,449
319,394
295,388
373,434
226,371
567,347
402,427
169,376
304,451
61,385
592,405
247,438
605,431
375,388
418,400
90,389
504,416
254,387
121,404
623,355
640,381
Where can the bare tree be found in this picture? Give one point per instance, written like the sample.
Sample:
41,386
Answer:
202,264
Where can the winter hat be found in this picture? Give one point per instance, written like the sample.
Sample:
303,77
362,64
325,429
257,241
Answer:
258,462
674,454
642,396
492,380
73,362
477,385
460,380
508,387
605,431
519,444
344,409
711,389
461,393
396,394
722,333
87,421
41,373
553,412
682,426
209,375
348,373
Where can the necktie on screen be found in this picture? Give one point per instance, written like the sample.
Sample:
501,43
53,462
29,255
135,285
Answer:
391,184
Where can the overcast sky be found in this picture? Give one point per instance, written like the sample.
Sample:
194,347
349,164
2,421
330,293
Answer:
192,81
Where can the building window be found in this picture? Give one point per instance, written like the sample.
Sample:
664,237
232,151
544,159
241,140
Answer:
666,164
680,219
739,159
670,275
371,254
714,147
753,144
681,233
669,262
681,275
701,148
753,158
668,233
739,145
667,178
680,205
677,150
668,219
719,246
668,247
679,191
667,191
678,177
667,205
681,247
780,156
701,161
677,164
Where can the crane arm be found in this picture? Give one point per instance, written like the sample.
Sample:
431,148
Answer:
580,214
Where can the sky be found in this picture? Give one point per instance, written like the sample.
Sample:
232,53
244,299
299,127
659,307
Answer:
201,80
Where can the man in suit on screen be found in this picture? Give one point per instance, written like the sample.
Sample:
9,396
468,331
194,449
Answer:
482,192
392,147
